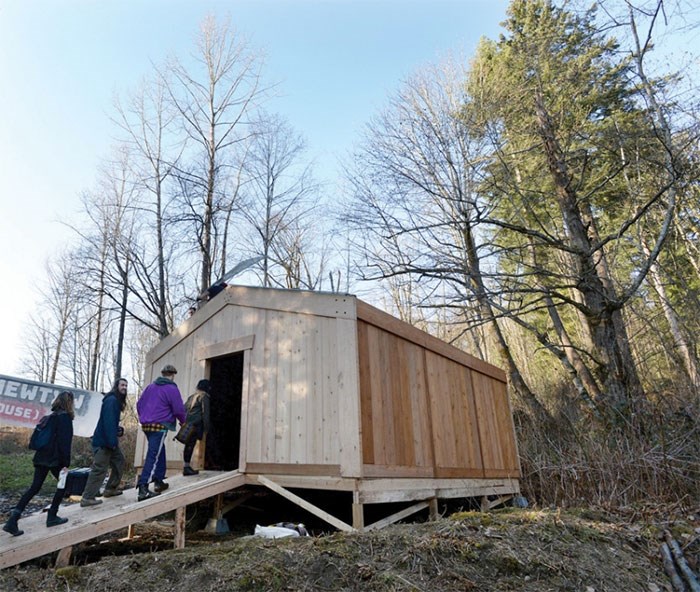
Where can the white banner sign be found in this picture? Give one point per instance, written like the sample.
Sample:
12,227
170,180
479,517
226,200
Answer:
24,402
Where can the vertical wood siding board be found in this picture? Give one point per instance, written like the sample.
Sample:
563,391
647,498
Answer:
269,399
245,412
298,392
330,427
395,398
430,431
497,453
329,394
489,437
310,416
283,393
471,422
412,363
376,370
408,407
505,427
365,394
349,398
256,403
437,409
421,426
387,376
509,427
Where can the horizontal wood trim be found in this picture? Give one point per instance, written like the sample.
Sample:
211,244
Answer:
306,470
403,495
458,472
502,473
385,321
323,304
189,326
216,350
397,471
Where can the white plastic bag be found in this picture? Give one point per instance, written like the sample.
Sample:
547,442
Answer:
274,532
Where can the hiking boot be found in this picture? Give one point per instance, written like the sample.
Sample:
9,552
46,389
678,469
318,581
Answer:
55,521
187,471
145,494
89,501
112,492
159,486
11,524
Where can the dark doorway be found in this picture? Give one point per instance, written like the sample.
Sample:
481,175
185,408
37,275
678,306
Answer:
224,437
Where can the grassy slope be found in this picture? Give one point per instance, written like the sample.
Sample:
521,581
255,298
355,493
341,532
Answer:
533,551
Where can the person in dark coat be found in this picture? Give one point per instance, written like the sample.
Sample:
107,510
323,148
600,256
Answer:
105,444
197,406
53,459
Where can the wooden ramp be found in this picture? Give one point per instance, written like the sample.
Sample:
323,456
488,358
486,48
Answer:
115,513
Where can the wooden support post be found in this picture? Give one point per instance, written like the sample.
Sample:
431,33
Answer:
358,511
217,524
63,558
433,509
180,523
130,531
485,506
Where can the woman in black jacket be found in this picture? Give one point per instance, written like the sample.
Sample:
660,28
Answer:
198,417
49,459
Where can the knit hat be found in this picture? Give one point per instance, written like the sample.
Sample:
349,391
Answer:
204,385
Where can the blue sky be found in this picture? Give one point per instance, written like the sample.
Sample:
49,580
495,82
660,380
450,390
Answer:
61,61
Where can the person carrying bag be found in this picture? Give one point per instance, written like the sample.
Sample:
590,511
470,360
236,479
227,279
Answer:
52,457
196,424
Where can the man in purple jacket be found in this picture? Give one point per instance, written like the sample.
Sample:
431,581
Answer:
159,406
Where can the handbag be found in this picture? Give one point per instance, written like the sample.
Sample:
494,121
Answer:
186,432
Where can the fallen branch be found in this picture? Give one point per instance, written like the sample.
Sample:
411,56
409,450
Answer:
670,569
682,563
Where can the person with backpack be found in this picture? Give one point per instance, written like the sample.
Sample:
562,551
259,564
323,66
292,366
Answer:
53,457
196,424
105,444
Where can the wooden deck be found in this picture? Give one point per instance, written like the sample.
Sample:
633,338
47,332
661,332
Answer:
115,513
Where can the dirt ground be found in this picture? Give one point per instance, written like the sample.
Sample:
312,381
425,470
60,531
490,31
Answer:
509,549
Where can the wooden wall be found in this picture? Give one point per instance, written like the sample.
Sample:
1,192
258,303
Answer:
428,409
335,387
300,404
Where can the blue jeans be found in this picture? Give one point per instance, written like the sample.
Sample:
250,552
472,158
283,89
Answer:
154,465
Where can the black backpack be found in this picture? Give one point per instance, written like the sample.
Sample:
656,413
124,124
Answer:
43,434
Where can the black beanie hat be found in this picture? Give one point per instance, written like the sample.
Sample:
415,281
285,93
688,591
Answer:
204,385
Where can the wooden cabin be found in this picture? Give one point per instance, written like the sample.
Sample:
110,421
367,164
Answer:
323,391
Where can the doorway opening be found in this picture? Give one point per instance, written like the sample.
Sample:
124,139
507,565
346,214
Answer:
224,438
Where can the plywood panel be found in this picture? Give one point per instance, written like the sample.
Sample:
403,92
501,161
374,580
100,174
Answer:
348,398
365,369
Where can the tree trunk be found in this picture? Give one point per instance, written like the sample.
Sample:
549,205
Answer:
622,390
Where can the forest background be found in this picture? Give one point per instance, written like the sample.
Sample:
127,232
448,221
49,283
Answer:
536,205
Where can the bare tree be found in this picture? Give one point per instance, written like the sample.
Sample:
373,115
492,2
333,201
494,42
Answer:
280,196
213,100
416,202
